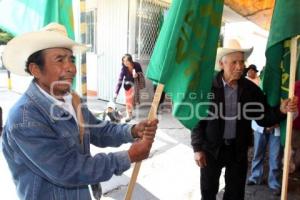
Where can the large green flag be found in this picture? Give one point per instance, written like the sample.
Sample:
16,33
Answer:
285,25
184,56
20,16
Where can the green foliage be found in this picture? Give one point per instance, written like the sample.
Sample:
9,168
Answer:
5,37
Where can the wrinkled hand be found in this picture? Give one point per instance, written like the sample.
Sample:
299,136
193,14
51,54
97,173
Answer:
139,150
289,105
200,159
145,129
134,74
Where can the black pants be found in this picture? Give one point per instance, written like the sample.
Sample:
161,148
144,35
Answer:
235,175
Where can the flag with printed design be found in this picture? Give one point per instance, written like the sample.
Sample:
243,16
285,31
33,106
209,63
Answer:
284,26
184,56
20,16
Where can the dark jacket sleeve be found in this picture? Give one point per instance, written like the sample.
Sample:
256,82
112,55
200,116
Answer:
197,135
269,116
120,80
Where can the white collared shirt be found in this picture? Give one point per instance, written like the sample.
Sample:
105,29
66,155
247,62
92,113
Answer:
66,105
260,129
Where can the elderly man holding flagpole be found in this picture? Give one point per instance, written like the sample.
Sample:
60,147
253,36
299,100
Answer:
221,140
47,136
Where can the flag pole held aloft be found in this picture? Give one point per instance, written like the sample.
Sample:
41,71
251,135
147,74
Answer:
289,128
183,61
152,115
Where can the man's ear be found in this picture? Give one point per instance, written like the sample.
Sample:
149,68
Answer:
35,70
220,64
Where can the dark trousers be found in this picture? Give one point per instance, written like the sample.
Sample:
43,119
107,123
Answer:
235,175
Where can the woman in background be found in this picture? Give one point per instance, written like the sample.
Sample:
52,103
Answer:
130,74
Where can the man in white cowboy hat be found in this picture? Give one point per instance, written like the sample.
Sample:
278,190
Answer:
222,139
47,134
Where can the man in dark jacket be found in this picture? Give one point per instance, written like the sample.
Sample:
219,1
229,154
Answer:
222,139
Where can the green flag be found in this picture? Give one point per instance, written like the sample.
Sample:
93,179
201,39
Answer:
284,26
184,56
20,16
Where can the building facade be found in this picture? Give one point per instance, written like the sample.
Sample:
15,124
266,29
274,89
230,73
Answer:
116,27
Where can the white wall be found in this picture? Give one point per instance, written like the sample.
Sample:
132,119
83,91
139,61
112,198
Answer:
112,29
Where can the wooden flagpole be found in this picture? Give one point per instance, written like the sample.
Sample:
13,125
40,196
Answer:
151,116
288,137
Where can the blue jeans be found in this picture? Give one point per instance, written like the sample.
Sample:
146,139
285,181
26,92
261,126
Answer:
261,141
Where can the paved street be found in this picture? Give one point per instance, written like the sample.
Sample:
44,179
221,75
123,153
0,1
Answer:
169,174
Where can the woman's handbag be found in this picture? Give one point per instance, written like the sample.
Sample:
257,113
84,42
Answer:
140,81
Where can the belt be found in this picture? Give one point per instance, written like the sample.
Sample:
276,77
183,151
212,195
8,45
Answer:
229,142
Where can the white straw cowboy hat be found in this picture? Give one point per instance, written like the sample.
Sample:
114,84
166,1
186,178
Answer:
231,46
18,50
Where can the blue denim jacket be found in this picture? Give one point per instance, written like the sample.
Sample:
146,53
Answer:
42,149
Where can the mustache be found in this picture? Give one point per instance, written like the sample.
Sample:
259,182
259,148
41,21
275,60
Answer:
63,78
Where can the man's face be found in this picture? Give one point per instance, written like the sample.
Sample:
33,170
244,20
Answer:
233,65
251,73
58,72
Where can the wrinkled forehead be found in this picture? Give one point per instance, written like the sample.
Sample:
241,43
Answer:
63,49
58,50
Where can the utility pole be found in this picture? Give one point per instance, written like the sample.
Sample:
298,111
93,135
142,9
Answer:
83,34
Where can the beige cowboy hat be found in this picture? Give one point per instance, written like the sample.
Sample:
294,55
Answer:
231,46
18,49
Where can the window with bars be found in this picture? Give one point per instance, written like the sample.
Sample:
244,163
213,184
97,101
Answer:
149,19
91,21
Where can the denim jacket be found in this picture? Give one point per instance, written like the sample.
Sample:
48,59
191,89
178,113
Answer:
42,149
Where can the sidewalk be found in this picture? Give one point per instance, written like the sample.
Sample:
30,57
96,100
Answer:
169,174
